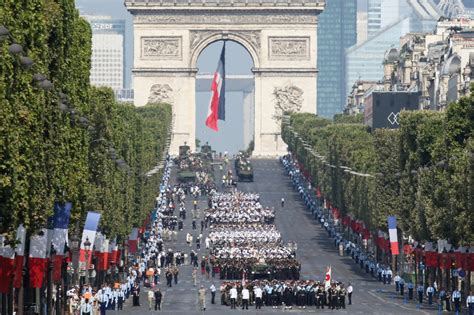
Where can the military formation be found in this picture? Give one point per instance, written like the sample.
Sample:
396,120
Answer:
300,294
245,243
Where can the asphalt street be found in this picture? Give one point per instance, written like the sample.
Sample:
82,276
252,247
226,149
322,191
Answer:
315,251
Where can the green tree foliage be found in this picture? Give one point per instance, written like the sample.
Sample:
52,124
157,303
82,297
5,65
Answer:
422,172
50,155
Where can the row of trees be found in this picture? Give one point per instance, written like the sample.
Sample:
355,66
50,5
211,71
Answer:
63,140
422,172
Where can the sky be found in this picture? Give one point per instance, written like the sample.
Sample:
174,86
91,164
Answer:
238,61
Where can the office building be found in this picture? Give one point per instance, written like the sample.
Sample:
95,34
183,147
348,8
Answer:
364,61
108,52
361,27
337,31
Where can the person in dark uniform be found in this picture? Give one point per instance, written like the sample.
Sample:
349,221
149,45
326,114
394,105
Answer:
342,297
158,296
320,297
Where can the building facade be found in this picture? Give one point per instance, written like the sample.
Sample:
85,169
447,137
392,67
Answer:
108,52
364,61
337,31
438,65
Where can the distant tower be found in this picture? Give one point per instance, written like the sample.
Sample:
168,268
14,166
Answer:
451,8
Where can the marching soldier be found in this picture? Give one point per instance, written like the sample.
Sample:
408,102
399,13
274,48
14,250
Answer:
342,297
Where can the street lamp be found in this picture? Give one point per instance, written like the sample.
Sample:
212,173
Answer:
75,258
87,247
49,289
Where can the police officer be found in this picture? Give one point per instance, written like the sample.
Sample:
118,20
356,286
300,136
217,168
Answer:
457,300
396,279
470,303
430,292
420,291
410,287
86,308
401,284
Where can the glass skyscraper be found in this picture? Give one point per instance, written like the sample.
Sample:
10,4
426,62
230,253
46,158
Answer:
337,30
108,52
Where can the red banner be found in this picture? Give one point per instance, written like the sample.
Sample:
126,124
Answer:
366,234
461,260
445,261
407,249
431,259
470,261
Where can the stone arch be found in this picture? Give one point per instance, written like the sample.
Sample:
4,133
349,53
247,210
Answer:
198,44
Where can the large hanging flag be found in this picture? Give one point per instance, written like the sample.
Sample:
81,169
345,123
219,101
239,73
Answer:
392,232
217,103
90,230
7,261
37,261
62,213
327,280
19,257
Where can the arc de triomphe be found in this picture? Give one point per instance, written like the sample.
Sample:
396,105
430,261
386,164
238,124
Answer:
280,35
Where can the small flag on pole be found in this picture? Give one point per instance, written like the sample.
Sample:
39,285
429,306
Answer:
133,241
217,103
392,231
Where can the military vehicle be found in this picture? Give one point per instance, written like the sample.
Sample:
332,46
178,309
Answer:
243,168
261,271
206,151
183,151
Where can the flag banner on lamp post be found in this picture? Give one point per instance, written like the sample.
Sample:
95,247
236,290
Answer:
392,232
37,261
90,231
217,103
62,214
113,250
7,265
133,241
19,257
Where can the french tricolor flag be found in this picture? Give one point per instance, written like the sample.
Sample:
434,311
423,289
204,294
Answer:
7,261
62,213
113,251
392,231
90,230
19,257
37,261
217,102
104,255
133,241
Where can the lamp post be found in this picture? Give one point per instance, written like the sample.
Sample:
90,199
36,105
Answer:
87,247
49,289
75,259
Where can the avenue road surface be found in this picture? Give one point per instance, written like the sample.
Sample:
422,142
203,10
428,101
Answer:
315,251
